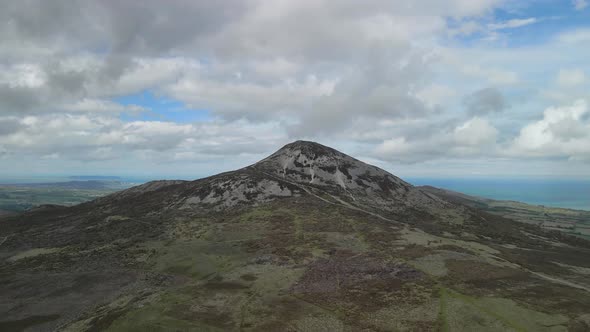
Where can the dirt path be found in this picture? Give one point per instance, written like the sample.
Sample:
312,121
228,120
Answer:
560,281
5,238
338,200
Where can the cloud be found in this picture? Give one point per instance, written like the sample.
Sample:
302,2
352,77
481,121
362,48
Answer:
9,126
233,59
381,89
570,77
485,101
576,36
511,24
17,99
563,132
494,76
94,136
474,137
467,28
476,132
436,95
407,82
101,106
580,4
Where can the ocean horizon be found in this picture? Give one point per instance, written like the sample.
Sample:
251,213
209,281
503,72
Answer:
570,194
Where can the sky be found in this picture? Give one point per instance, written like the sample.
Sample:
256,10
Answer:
185,89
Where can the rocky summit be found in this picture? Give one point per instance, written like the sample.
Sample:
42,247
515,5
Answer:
307,239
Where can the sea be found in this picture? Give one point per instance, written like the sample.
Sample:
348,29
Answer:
571,194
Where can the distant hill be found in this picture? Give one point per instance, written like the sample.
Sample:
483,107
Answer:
95,177
4,213
86,184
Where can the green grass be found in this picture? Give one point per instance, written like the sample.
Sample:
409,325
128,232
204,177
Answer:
20,199
442,312
486,310
161,314
231,271
197,258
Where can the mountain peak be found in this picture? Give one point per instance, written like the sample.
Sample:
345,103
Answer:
310,153
310,148
312,163
298,168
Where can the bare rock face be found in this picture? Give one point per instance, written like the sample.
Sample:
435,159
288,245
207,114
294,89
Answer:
299,168
318,166
315,164
237,189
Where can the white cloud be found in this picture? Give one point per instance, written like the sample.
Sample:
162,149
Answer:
476,132
475,137
467,28
276,68
436,95
511,24
241,98
26,75
570,77
563,132
492,75
90,136
98,105
391,76
576,36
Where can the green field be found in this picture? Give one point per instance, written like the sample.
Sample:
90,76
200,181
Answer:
18,199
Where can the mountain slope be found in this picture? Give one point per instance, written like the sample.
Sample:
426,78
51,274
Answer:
304,240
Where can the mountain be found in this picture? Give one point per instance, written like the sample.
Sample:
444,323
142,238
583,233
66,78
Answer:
307,239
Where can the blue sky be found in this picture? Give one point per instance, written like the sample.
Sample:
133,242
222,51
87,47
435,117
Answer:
428,88
160,108
548,18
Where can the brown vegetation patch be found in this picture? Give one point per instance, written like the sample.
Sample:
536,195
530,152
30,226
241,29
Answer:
466,270
482,276
541,260
327,223
248,277
382,238
277,315
224,285
209,316
413,251
332,274
552,297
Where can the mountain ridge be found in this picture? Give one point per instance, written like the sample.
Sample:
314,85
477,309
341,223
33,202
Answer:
297,169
